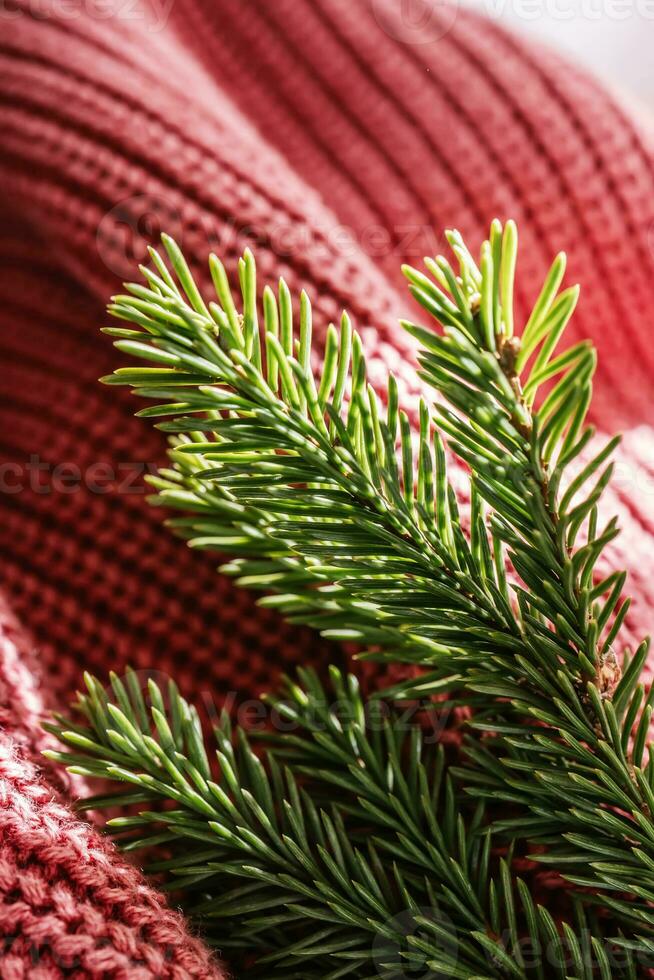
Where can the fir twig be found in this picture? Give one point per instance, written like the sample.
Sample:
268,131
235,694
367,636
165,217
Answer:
390,880
317,492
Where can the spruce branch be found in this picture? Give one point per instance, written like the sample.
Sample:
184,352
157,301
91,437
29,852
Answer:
311,482
285,467
390,879
571,683
519,456
320,473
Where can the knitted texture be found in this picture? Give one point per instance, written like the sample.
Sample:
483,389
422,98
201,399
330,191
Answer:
334,138
68,907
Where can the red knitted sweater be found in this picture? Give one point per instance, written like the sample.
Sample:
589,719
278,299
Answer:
341,140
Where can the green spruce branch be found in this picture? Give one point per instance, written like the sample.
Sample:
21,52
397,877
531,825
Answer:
313,484
389,881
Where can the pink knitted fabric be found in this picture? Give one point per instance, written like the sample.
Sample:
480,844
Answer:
340,141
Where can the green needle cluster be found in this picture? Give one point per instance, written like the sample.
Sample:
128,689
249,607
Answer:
351,846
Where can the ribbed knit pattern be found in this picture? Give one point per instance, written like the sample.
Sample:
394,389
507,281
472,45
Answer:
68,906
307,128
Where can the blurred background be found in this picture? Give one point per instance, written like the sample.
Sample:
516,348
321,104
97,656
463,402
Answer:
612,38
